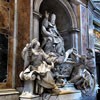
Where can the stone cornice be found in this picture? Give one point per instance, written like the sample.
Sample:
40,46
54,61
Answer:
5,92
37,14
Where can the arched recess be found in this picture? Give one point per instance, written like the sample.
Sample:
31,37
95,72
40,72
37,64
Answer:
69,25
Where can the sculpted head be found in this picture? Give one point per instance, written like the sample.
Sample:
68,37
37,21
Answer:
35,44
53,19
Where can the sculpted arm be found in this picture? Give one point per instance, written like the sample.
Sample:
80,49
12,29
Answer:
25,50
25,55
45,32
49,58
77,55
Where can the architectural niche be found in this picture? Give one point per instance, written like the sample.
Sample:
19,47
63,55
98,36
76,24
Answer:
68,28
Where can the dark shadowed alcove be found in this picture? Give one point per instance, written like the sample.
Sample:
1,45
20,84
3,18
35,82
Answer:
3,58
63,21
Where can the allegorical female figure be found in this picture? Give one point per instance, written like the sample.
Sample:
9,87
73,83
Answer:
38,65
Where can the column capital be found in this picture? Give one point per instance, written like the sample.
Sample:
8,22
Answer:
74,30
37,14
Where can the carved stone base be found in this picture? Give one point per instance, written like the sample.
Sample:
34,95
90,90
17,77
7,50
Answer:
67,93
71,96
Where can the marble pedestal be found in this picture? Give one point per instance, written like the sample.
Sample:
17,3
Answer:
71,96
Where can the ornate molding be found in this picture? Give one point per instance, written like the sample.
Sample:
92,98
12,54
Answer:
71,30
6,92
74,30
37,14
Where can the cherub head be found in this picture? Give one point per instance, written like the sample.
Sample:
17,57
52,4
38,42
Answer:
35,44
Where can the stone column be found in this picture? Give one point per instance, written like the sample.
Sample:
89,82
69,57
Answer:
91,40
80,10
15,41
74,32
34,18
85,24
31,19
